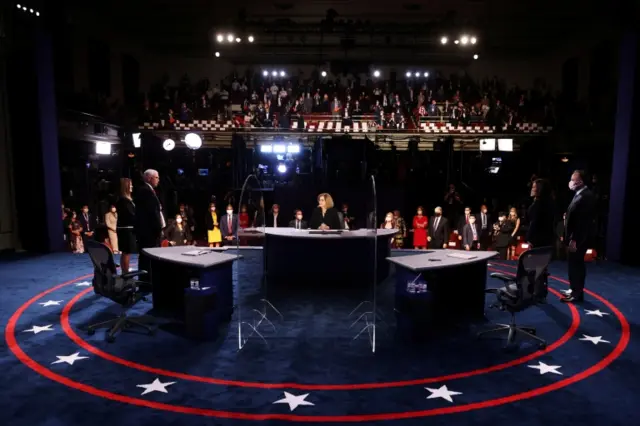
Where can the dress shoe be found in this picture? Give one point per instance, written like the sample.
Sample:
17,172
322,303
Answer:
566,292
572,299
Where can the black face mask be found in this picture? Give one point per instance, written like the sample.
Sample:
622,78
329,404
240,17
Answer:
438,214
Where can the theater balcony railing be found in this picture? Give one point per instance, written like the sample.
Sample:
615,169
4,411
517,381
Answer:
81,126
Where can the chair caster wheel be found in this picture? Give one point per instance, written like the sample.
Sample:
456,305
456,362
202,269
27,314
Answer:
542,346
91,331
111,339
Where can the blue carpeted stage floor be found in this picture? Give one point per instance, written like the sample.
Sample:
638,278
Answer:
54,374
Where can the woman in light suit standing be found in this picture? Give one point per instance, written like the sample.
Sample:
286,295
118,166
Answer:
111,220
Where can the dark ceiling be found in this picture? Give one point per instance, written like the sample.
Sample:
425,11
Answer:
187,27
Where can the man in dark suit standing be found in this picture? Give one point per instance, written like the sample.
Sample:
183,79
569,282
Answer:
578,233
471,235
229,226
438,230
88,222
274,220
298,222
483,219
149,221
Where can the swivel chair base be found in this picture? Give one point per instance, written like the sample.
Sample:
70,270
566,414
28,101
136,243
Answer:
123,322
512,330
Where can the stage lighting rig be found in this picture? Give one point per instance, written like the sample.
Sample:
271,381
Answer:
417,74
27,9
274,73
193,141
231,38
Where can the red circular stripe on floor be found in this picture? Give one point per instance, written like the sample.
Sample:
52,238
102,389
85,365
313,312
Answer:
68,329
24,358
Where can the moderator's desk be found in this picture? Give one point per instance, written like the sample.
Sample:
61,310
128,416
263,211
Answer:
455,287
298,256
171,273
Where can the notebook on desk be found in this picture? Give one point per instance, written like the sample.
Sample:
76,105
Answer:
195,252
325,231
462,256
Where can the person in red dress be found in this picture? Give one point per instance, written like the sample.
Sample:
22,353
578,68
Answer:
243,218
420,223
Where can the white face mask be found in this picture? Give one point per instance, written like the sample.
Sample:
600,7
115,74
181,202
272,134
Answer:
573,185
179,220
229,212
299,217
389,219
213,209
113,210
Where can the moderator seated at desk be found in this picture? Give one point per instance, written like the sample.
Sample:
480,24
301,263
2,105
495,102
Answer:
171,272
302,256
455,284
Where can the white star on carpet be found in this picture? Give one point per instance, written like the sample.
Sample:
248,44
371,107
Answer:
544,368
155,386
83,284
38,328
51,303
442,392
294,401
69,359
594,339
597,312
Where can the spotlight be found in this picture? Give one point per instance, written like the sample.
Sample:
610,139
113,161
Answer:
266,149
408,74
293,149
230,38
376,73
220,38
31,10
217,54
475,56
323,73
136,140
426,74
464,39
279,149
274,73
19,7
473,40
265,73
444,40
564,159
282,168
24,8
417,74
103,148
251,39
238,39
282,73
37,13
168,144
193,141
456,41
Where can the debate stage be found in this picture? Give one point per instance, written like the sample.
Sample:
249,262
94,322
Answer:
312,370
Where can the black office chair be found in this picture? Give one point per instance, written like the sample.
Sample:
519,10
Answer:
122,289
520,292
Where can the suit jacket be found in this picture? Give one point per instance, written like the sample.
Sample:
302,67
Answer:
440,235
503,237
541,230
580,222
331,219
148,221
279,220
467,234
489,228
224,226
89,224
462,221
303,224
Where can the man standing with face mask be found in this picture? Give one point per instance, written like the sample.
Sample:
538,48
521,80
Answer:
578,233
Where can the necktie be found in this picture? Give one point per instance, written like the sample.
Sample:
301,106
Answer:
229,224
435,224
475,234
86,218
484,220
298,224
467,219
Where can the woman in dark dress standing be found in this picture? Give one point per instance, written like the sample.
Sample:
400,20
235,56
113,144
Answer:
541,231
325,216
126,218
